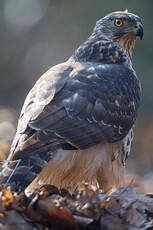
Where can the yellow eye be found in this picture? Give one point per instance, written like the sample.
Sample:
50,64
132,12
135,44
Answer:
118,22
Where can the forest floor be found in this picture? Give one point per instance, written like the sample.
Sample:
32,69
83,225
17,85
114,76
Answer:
87,208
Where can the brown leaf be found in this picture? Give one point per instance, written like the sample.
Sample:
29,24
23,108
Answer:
109,202
7,197
1,214
56,216
89,189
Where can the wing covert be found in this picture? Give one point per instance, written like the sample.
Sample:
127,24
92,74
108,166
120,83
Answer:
97,103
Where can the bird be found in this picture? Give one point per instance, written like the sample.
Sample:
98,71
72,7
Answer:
80,114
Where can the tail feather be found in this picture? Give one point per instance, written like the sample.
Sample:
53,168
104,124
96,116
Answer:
34,150
26,171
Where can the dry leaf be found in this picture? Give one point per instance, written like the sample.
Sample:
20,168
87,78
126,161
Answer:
57,216
108,203
1,214
7,197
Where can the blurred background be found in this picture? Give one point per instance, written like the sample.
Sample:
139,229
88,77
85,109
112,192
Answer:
37,34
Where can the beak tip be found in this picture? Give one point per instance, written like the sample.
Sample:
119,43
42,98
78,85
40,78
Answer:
139,32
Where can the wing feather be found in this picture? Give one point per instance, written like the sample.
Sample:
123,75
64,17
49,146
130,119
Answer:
79,105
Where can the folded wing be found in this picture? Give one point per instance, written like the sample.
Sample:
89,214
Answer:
77,105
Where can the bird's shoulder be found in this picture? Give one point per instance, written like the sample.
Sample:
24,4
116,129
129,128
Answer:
50,83
102,49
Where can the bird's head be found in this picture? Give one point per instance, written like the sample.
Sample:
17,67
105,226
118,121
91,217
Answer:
122,27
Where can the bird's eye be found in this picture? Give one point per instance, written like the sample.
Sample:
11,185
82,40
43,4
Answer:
118,22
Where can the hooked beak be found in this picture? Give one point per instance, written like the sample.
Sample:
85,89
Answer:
138,31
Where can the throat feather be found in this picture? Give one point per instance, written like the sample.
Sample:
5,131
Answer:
127,42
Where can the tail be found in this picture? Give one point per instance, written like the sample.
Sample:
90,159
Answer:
28,156
19,174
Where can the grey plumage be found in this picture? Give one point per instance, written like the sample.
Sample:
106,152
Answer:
90,99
